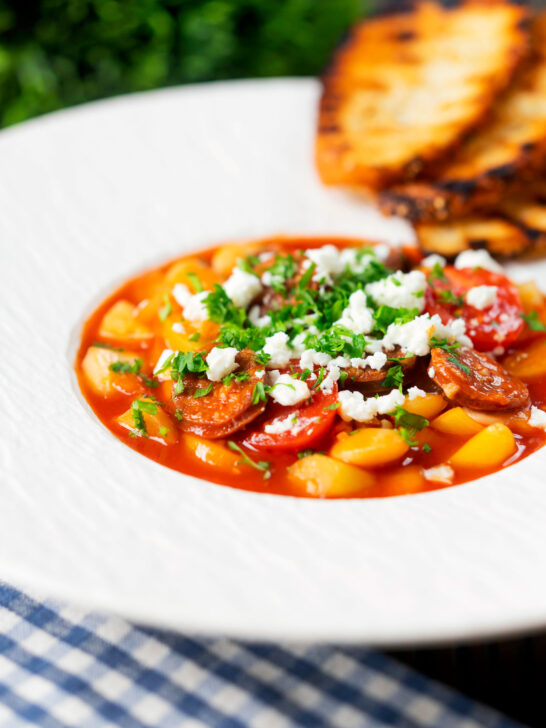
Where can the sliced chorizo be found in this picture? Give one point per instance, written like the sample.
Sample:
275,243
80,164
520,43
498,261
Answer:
226,408
367,375
474,379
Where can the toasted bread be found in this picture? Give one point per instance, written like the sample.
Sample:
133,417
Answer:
530,215
500,157
405,87
497,235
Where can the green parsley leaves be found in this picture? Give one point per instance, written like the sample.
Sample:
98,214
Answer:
262,465
409,425
454,359
533,322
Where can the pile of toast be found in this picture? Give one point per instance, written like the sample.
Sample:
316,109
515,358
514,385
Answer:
439,113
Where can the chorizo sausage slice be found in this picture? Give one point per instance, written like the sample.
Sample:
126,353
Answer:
366,375
474,379
226,408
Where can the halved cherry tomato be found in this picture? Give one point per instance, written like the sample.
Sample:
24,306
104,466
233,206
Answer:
497,325
302,425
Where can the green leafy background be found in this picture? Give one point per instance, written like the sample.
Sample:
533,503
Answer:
56,53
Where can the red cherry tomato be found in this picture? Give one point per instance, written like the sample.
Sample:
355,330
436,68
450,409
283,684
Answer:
497,325
301,426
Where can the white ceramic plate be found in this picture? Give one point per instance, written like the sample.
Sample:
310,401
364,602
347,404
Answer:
90,196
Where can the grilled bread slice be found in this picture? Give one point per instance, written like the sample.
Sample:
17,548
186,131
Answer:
496,234
500,157
530,215
405,87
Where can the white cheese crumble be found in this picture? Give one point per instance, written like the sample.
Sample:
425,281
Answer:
537,418
440,474
355,407
310,358
163,376
178,328
242,287
289,391
194,308
482,296
415,392
414,337
431,260
376,361
400,290
357,317
181,294
279,351
289,424
331,262
431,372
256,319
221,362
477,259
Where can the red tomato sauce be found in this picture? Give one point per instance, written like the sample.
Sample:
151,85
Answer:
188,456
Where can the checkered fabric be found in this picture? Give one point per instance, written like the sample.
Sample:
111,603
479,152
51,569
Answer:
62,666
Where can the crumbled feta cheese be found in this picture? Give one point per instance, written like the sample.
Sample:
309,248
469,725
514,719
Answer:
260,374
440,474
431,260
537,418
289,391
328,262
332,376
357,317
431,372
163,376
414,337
289,424
376,361
279,351
256,319
355,407
178,328
195,309
477,259
414,392
242,287
482,296
181,294
221,362
400,290
311,358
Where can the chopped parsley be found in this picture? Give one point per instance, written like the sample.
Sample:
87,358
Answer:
179,414
450,298
165,310
104,345
437,273
221,308
305,453
126,367
333,406
444,344
533,322
237,376
262,465
454,359
395,377
196,283
409,424
259,393
202,391
195,336
138,408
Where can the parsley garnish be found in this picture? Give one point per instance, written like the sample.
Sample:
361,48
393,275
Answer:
196,283
533,322
261,465
166,309
427,448
202,391
103,345
437,273
163,431
259,393
395,377
458,363
238,376
450,298
179,414
195,336
126,367
320,378
409,424
138,407
305,453
221,308
444,344
333,406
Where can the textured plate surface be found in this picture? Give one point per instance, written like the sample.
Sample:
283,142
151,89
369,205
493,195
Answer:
90,196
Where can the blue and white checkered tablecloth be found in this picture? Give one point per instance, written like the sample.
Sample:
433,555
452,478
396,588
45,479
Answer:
63,666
